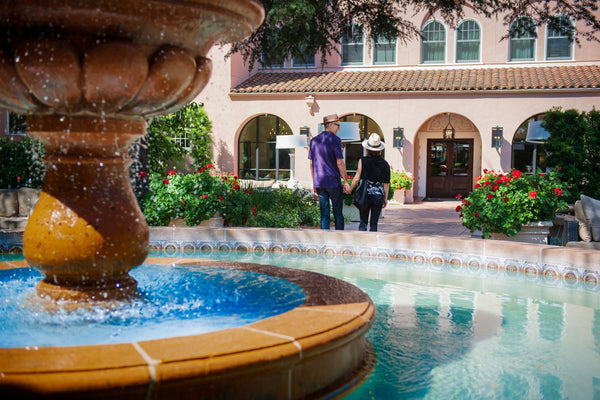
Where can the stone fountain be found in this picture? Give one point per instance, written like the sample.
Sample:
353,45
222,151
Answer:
88,74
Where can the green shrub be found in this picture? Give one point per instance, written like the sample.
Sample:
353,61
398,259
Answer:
195,197
22,163
574,146
284,208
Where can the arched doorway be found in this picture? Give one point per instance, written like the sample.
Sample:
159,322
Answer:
258,158
354,150
449,144
522,151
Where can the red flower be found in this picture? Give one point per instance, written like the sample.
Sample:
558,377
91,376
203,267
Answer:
476,215
220,198
490,196
495,188
558,191
458,196
248,191
142,174
516,174
204,196
201,169
253,210
506,199
172,172
458,208
209,166
533,194
244,221
477,186
166,182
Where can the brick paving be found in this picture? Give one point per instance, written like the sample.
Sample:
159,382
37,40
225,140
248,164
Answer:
422,218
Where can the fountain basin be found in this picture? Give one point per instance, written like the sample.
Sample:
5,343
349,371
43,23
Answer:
312,351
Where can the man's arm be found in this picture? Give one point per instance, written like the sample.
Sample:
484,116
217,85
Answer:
342,167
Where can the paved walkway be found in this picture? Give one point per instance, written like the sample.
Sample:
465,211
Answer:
421,218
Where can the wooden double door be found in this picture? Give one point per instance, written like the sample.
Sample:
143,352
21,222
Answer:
449,167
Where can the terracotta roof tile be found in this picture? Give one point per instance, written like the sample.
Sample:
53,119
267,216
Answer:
419,80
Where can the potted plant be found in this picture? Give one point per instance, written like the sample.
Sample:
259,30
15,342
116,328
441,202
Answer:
400,181
503,203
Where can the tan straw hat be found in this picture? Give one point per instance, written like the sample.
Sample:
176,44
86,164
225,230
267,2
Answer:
330,118
373,143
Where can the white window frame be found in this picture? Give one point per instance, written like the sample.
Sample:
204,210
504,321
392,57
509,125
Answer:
534,39
431,21
353,44
388,42
294,64
568,58
464,21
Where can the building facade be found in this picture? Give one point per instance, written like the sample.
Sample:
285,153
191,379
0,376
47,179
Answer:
456,101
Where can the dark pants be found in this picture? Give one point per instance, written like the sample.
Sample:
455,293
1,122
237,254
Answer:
336,195
373,206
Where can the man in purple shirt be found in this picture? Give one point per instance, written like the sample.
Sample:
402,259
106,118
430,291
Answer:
328,169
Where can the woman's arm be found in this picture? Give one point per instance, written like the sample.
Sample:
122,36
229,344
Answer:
386,190
356,178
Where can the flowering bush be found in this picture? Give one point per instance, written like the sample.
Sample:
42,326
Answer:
501,203
282,175
400,180
195,198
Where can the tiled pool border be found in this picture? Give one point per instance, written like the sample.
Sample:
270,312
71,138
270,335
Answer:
573,266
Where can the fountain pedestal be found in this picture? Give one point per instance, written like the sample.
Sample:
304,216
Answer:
86,231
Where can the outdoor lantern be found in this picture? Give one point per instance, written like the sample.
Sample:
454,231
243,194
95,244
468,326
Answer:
449,130
291,142
497,137
398,137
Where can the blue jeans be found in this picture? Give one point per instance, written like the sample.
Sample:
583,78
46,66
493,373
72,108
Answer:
336,195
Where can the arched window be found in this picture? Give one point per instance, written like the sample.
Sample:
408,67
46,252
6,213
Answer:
559,44
468,41
522,151
523,39
354,150
433,45
258,158
353,44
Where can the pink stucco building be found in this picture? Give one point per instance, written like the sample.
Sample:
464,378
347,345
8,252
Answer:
462,77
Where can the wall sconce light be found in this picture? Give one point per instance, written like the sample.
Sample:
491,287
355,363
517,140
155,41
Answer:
305,130
449,130
497,137
398,138
310,100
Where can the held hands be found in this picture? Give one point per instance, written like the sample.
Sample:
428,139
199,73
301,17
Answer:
347,188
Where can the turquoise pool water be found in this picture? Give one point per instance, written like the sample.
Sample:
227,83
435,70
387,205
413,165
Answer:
172,301
446,332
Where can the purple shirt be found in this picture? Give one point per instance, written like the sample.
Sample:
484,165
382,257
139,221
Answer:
325,149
